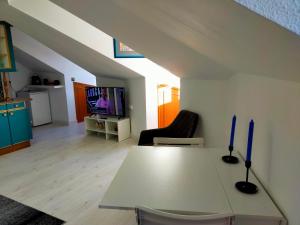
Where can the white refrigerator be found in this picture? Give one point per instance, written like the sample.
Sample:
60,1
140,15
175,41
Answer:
39,107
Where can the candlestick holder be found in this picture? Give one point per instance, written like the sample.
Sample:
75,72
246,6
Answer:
246,186
230,158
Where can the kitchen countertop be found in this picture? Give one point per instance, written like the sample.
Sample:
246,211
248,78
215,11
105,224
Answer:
15,101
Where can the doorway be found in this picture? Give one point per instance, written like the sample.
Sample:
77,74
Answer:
168,104
80,100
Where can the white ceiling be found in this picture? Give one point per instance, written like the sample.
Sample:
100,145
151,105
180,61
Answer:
81,55
206,39
192,38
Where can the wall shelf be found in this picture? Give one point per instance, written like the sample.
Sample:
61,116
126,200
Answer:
46,86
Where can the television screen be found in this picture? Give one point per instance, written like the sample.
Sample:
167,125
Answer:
107,101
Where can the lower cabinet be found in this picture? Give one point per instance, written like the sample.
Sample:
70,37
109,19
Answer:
19,126
15,127
5,139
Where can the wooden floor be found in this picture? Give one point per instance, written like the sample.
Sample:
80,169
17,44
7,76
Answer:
65,174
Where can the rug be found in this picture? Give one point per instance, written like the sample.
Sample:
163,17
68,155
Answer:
15,213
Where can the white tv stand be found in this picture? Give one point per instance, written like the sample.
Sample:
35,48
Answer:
110,127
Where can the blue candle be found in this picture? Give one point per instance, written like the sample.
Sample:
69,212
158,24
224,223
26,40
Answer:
232,131
250,139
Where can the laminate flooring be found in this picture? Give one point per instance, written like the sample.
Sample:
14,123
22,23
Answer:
65,173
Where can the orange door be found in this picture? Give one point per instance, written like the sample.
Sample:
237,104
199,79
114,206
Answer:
161,106
80,101
168,105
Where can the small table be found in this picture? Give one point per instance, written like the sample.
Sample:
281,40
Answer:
190,180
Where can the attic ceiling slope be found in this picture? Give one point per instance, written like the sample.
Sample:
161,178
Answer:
187,36
81,55
140,35
32,63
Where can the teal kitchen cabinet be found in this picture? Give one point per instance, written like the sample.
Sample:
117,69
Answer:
18,120
5,139
15,126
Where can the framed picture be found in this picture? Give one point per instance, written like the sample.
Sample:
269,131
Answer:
7,60
123,51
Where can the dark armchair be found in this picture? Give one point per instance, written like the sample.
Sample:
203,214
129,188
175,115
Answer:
183,126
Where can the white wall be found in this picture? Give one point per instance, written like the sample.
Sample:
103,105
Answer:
59,109
51,76
208,98
111,82
275,107
21,78
151,103
58,98
59,63
137,105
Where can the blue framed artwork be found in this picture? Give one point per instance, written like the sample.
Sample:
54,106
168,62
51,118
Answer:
123,51
7,59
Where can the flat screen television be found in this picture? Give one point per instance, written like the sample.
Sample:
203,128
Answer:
106,101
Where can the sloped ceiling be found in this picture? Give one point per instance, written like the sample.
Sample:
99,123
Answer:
192,38
32,63
81,55
286,13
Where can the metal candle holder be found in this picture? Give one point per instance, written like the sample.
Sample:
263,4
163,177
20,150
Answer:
230,158
246,186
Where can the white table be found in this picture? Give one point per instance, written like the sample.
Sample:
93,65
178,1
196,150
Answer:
187,180
256,209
